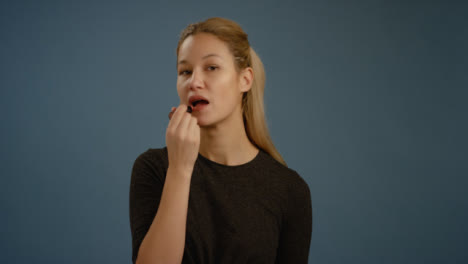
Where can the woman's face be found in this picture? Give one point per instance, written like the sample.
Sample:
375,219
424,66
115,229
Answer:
205,67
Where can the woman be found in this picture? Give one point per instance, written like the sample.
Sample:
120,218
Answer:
219,192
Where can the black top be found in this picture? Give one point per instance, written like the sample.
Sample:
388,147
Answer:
256,212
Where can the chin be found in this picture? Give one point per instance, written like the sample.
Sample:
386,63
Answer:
204,123
200,121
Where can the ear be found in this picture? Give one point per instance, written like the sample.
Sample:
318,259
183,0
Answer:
246,79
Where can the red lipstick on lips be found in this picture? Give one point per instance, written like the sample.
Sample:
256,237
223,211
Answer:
198,102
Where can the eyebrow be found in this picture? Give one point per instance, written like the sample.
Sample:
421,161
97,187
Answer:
204,57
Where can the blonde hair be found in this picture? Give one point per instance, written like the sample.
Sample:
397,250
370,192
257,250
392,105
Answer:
244,56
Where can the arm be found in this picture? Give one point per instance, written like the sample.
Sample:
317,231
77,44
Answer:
296,230
158,214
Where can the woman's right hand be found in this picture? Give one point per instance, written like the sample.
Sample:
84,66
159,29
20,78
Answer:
182,139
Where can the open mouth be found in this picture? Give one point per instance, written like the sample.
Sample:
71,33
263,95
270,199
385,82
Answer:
199,102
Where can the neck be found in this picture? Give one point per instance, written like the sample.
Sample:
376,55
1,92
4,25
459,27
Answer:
227,142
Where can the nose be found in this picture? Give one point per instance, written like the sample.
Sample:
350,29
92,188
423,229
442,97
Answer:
196,80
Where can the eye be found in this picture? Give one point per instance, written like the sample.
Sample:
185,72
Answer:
182,72
211,68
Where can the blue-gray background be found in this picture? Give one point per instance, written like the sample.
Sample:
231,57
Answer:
367,100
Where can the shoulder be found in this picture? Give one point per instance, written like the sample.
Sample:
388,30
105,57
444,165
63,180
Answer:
290,176
152,162
294,189
158,155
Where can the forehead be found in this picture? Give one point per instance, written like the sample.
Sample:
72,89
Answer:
197,46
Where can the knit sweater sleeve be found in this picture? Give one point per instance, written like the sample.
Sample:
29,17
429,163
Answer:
296,230
146,188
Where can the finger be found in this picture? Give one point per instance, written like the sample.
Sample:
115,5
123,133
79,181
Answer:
189,109
177,116
194,128
171,114
184,124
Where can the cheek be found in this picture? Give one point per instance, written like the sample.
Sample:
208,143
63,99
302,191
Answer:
227,99
179,89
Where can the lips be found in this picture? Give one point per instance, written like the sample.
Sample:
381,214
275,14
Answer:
194,99
199,106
